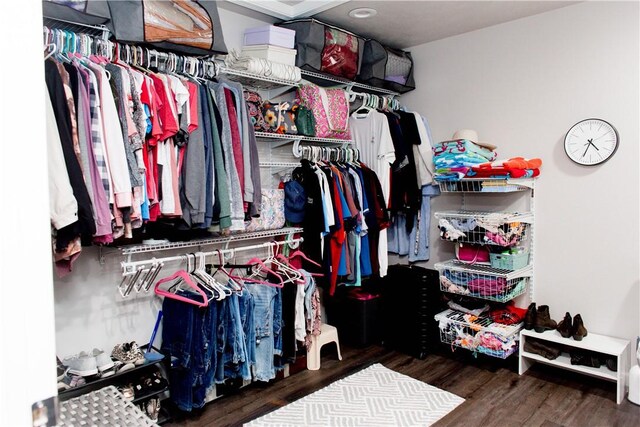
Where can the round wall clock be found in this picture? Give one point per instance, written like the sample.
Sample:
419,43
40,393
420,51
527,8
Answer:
591,142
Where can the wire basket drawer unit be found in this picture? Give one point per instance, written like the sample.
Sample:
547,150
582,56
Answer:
480,281
505,229
478,333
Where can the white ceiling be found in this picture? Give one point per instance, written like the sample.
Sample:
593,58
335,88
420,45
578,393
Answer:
403,24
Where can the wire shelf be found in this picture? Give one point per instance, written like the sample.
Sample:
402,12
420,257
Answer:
485,228
486,185
279,165
302,139
100,31
481,281
103,407
214,241
256,81
320,78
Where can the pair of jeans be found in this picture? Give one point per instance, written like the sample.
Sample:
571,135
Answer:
235,355
188,340
264,326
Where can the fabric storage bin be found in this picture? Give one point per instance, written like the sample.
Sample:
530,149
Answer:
509,261
82,12
325,48
186,27
277,54
386,68
271,35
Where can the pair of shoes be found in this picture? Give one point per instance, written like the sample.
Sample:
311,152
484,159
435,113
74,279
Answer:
127,392
544,349
70,381
152,408
585,358
539,319
575,329
128,352
149,384
88,364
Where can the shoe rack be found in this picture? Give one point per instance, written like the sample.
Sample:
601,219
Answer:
487,204
612,347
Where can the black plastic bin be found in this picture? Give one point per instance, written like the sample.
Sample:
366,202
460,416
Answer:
356,314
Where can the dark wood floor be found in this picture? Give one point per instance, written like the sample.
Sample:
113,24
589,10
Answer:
495,394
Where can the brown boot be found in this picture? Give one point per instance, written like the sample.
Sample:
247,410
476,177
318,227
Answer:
543,321
530,317
564,327
579,331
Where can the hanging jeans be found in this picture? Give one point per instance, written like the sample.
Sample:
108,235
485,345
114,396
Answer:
263,317
188,340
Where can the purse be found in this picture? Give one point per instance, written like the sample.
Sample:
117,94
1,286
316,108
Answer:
280,117
305,121
254,106
472,254
330,109
272,212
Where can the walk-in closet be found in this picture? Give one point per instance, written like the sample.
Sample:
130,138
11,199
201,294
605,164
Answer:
320,213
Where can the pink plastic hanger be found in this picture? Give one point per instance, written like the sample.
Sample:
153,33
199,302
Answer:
301,254
186,279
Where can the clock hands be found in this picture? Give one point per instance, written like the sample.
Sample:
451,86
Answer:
589,144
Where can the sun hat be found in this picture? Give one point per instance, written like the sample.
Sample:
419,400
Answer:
294,202
472,135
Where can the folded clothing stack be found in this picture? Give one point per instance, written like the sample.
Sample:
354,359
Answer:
515,167
262,67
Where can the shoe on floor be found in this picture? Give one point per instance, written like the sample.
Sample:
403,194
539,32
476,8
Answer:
153,409
82,364
70,381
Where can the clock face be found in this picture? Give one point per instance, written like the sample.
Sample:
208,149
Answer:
591,142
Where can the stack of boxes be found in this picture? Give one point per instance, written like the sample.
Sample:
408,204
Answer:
272,43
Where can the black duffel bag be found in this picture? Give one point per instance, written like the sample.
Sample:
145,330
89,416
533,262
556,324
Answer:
387,68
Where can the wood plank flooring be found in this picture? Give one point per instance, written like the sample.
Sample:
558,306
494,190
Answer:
495,394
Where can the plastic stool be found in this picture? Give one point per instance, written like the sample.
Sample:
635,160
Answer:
328,334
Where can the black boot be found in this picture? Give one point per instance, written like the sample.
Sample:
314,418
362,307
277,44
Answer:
530,317
564,327
543,321
579,331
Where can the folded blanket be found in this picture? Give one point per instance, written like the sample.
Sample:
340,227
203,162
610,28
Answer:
262,67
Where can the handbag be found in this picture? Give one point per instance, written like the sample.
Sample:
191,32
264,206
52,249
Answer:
305,121
280,117
472,254
272,212
254,106
330,109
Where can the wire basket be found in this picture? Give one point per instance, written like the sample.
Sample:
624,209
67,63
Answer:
477,185
484,228
478,334
480,281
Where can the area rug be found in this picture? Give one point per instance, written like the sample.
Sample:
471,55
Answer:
375,396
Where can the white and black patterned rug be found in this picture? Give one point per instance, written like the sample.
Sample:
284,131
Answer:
375,396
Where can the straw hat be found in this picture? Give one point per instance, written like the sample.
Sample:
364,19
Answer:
472,135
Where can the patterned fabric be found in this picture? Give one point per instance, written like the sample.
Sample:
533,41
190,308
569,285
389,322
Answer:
315,323
254,105
331,114
375,396
272,214
96,132
280,118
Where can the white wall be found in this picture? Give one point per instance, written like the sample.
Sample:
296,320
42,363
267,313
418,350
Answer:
522,85
27,367
89,311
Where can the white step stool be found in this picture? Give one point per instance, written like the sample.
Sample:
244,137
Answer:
328,334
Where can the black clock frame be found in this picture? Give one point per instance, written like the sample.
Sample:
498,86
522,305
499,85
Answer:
595,164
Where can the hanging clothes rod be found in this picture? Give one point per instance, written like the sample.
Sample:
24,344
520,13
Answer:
131,267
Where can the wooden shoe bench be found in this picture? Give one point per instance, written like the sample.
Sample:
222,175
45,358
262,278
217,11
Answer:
614,347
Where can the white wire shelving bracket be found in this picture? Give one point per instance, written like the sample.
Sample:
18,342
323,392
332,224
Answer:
130,250
256,81
76,27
